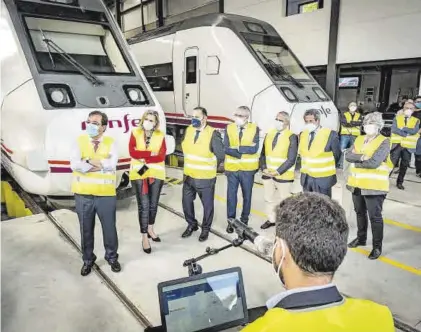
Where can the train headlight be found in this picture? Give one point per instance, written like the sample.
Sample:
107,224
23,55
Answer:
136,95
59,95
289,94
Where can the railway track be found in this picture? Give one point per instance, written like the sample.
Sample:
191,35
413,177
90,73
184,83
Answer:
41,205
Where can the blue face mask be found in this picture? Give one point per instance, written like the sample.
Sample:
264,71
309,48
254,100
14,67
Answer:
418,105
92,130
196,123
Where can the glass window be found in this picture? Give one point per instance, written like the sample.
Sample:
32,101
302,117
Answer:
92,45
160,77
302,6
277,58
191,70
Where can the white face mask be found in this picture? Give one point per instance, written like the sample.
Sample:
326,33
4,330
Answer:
407,112
147,125
310,127
279,125
371,129
352,109
239,121
278,269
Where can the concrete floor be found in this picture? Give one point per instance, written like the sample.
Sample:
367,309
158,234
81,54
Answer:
394,280
42,289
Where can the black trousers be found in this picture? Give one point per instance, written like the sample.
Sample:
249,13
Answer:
418,163
86,208
399,152
147,204
206,191
373,205
311,185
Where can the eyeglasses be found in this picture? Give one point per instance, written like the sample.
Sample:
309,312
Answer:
240,116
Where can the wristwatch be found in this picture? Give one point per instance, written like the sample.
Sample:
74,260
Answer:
87,161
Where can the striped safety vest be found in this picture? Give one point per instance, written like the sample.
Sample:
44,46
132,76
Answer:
410,141
279,155
155,170
370,179
94,183
199,161
354,131
248,162
315,162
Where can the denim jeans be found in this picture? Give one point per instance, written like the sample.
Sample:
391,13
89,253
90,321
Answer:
346,142
245,180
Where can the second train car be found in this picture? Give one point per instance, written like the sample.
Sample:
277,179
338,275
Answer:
222,61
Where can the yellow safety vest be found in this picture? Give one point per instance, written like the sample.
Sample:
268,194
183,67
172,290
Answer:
156,170
315,162
279,155
354,315
94,183
370,179
409,142
354,131
199,161
248,162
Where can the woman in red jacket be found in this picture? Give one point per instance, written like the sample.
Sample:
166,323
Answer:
147,173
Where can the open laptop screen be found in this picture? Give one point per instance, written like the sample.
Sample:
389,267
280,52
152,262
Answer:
207,302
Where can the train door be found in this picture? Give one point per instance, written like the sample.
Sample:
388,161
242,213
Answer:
191,80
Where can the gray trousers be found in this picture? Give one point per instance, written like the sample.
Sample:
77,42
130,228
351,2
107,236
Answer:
105,206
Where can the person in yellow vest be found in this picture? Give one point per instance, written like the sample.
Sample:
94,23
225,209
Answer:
203,151
241,142
350,128
94,162
310,245
147,173
277,160
404,139
368,180
320,152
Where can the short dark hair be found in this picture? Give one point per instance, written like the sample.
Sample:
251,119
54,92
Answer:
202,109
417,97
104,117
315,230
314,112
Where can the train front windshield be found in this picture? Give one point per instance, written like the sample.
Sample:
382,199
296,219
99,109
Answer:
92,45
276,57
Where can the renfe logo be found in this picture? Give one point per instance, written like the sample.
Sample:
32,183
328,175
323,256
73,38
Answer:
126,123
325,111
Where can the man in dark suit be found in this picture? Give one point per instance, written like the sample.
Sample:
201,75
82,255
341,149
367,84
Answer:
320,152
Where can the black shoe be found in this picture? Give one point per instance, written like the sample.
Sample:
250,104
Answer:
230,229
267,224
356,243
86,269
400,186
147,250
189,231
154,239
115,266
375,253
204,235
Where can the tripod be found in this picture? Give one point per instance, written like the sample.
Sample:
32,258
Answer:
196,269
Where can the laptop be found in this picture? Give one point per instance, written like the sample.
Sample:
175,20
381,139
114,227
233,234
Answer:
208,302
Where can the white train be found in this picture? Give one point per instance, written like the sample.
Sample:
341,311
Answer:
222,61
61,59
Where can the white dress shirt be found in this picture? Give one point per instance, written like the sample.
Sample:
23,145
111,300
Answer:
79,165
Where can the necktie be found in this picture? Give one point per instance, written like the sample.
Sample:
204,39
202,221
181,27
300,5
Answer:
406,121
275,140
95,143
311,139
240,135
196,136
